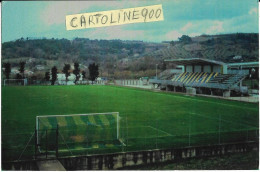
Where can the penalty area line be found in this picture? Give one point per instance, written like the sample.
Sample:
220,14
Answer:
160,130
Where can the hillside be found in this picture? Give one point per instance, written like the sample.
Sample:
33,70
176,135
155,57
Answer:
128,59
217,47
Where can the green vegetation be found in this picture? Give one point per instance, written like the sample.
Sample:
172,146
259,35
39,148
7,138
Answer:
126,59
54,75
149,119
76,72
66,71
185,39
93,71
7,70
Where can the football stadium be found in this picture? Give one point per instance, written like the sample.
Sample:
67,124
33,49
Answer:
121,85
61,121
203,76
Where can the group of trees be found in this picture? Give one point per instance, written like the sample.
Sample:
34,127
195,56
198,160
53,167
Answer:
7,70
53,75
93,73
42,48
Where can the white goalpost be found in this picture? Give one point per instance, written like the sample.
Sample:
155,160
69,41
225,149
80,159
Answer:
101,128
15,82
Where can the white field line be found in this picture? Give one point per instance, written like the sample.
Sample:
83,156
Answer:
122,142
160,130
254,127
209,102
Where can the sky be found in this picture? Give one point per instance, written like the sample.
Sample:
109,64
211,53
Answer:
181,17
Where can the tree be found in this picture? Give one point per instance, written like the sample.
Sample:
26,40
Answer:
93,71
7,70
76,72
172,43
65,70
164,66
185,39
53,75
83,75
18,76
47,76
21,69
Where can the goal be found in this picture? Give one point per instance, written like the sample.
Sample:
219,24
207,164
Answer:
81,129
15,82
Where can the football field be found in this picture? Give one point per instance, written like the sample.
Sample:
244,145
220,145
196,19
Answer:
148,119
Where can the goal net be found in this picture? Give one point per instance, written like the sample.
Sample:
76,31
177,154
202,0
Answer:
15,82
83,130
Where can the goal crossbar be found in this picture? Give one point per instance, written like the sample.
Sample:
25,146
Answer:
106,113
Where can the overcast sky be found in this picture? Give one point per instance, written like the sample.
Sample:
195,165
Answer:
189,17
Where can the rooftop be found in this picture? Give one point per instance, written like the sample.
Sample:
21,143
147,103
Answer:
194,61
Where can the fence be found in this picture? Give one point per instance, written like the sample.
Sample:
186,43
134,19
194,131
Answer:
130,82
135,135
16,82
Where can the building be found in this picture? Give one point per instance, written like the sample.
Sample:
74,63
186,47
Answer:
203,76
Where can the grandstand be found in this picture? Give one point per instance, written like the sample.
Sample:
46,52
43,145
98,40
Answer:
205,77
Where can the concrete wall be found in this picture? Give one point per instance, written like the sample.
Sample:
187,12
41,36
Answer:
225,69
216,68
125,159
197,68
190,90
207,68
130,82
238,71
188,68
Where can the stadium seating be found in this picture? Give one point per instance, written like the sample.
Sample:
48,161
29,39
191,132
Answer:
193,78
211,80
205,79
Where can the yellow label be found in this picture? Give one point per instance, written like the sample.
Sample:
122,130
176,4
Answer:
114,17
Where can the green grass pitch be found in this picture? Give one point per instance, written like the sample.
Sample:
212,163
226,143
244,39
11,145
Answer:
149,119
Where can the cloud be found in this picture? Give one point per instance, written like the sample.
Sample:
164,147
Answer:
252,11
55,12
173,35
215,28
194,34
115,32
186,27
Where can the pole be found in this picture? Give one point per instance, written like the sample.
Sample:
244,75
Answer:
126,132
247,135
219,128
117,135
46,144
57,143
189,129
37,128
35,144
157,134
